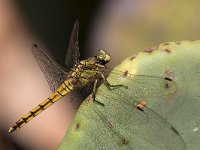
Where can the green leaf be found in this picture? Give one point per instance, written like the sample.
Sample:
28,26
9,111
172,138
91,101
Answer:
167,79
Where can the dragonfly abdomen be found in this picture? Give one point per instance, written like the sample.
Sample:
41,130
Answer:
63,90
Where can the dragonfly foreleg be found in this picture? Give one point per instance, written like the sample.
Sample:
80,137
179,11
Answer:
110,86
94,91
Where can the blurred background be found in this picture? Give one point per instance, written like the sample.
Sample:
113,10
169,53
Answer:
120,27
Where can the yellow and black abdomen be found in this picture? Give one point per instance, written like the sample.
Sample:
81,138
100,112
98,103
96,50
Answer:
78,78
66,87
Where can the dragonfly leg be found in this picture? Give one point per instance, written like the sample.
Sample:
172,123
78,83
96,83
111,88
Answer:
110,86
94,91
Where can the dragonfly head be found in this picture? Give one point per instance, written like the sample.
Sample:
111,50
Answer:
103,57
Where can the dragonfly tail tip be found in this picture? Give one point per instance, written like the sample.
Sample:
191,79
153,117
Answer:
11,129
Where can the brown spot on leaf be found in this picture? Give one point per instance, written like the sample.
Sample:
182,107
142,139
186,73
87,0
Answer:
125,73
170,74
133,57
167,50
141,105
124,141
110,124
149,50
167,86
178,43
167,43
77,128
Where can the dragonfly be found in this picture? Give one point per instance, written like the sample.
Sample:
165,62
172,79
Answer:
63,81
90,72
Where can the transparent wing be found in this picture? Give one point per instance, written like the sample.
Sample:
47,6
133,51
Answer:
54,73
157,133
79,95
100,130
73,53
140,88
143,86
129,127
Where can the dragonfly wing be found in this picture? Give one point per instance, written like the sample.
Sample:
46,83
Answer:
73,53
101,129
54,73
78,96
145,124
143,86
126,127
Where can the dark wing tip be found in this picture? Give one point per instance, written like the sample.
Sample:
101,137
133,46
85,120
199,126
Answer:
75,30
73,53
34,46
77,21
